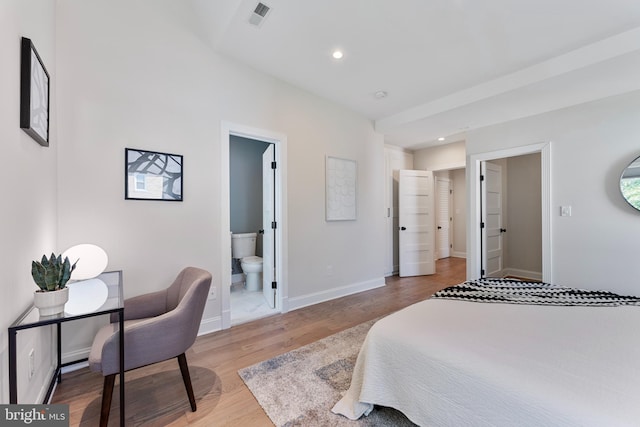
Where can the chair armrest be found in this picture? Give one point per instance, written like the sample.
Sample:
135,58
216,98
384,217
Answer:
143,306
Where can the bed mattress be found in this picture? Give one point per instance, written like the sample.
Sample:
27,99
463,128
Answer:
453,363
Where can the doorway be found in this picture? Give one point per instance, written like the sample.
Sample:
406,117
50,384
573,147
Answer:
276,274
475,202
511,215
444,216
251,181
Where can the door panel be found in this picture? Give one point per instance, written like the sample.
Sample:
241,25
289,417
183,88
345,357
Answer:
443,218
492,249
417,223
268,216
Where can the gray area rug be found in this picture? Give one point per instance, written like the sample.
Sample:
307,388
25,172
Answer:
300,387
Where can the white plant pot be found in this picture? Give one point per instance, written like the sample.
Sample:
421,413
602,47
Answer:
52,302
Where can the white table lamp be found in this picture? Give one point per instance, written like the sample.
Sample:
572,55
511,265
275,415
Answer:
92,261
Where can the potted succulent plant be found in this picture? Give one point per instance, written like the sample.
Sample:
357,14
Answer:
51,275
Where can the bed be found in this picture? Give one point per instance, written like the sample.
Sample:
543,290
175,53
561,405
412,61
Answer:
514,359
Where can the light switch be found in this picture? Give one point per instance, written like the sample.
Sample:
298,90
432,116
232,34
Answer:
565,210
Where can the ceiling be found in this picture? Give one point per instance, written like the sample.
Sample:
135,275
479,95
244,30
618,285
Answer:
447,66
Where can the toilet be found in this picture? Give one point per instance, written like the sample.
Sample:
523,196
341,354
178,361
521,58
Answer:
243,246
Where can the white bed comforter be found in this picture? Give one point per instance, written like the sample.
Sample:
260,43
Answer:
456,363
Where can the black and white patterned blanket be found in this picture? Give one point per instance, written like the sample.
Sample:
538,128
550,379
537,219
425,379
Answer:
536,293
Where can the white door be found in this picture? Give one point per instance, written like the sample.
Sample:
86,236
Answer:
492,262
443,218
268,217
416,223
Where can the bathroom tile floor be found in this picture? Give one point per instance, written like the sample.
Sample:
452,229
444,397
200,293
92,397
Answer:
247,306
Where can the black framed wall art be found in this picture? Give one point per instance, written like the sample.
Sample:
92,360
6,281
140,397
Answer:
150,175
34,94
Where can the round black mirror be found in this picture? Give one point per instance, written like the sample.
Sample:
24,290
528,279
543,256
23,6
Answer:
630,183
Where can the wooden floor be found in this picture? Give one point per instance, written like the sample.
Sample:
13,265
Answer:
155,395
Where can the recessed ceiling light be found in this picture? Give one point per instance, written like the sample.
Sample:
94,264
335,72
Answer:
380,94
337,54
441,138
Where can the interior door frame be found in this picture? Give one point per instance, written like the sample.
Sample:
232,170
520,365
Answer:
281,259
474,248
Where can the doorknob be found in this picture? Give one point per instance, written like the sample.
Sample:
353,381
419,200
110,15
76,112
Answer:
260,231
403,228
503,230
439,227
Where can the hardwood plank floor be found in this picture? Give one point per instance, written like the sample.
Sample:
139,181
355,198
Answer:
156,395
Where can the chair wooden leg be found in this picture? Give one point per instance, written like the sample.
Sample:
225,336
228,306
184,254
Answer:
184,369
107,394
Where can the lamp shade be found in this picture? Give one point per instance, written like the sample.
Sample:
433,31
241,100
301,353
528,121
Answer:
92,260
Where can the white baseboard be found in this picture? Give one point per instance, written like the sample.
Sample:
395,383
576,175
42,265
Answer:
45,387
212,324
285,305
342,291
75,367
525,274
77,354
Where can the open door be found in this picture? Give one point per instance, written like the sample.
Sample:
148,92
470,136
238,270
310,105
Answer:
416,223
491,223
443,218
268,225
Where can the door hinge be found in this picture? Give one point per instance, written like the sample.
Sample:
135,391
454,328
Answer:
273,165
482,272
482,225
450,246
274,285
450,191
274,225
481,177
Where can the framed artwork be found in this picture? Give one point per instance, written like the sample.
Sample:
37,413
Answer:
34,94
150,175
341,186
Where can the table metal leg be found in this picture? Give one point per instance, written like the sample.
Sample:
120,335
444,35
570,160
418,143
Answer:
13,376
59,352
121,345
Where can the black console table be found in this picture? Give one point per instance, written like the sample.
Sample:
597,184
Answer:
31,319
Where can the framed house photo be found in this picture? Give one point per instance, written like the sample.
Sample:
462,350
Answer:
34,94
150,175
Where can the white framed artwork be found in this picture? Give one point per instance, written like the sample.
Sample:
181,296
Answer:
341,189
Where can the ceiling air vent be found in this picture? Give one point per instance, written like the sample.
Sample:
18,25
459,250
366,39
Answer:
259,14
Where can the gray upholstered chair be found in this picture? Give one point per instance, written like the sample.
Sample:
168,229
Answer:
158,326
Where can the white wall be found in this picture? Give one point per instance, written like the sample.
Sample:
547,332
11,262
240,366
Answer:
145,80
590,146
28,216
441,157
